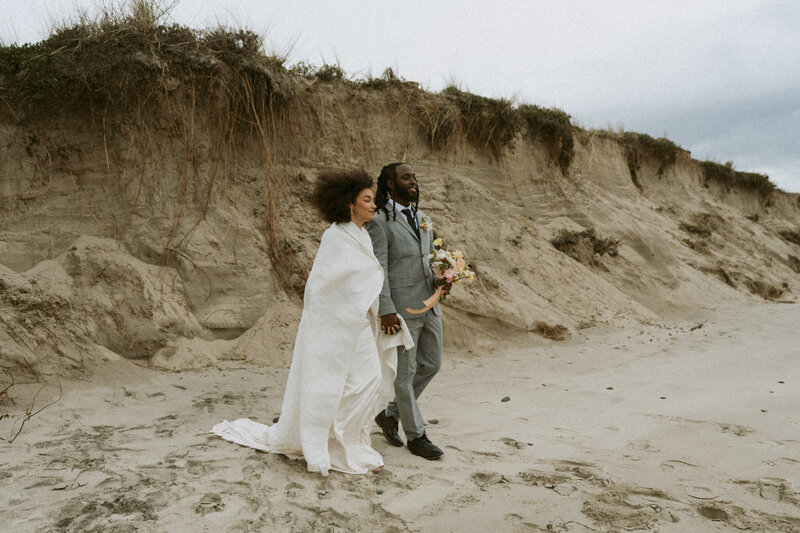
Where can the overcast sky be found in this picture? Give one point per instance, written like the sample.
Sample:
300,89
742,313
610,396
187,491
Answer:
718,77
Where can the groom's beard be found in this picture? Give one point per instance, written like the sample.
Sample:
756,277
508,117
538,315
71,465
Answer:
406,196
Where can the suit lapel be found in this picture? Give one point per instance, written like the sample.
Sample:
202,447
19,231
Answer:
401,219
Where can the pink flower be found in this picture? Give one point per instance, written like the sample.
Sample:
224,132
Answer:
449,274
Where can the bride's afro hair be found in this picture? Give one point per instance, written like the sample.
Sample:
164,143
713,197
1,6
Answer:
336,190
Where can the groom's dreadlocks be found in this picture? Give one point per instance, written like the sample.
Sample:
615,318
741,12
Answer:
382,195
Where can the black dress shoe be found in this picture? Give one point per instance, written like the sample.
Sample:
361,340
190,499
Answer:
389,427
424,448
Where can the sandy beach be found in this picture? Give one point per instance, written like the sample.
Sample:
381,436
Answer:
684,427
626,360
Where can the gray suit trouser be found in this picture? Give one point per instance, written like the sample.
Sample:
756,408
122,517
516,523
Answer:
415,369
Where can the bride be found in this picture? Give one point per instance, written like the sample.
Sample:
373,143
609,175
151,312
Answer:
343,365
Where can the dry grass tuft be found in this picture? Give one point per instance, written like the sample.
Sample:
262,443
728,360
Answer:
720,273
794,263
764,289
695,230
728,178
439,118
557,332
791,236
552,128
18,417
388,80
585,247
703,224
700,246
761,288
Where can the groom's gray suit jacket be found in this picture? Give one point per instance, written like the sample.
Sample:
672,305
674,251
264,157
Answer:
408,279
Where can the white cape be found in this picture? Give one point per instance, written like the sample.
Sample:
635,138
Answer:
334,380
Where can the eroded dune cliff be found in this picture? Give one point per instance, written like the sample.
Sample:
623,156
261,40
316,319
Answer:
156,210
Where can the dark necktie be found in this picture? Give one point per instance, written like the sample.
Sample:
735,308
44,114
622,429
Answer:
411,220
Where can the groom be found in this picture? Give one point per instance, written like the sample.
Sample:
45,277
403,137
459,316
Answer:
401,239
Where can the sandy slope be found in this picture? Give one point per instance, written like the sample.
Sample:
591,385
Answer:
673,428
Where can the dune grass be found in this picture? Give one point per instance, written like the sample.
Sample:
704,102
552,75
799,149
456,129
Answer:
729,179
123,57
639,146
325,73
551,127
486,122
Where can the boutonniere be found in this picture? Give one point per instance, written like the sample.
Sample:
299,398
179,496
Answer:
425,224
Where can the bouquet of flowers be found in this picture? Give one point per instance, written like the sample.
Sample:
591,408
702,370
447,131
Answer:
449,268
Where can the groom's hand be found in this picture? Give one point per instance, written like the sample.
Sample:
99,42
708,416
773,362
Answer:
390,324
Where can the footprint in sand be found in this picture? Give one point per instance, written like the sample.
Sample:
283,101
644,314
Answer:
240,526
642,445
486,479
508,441
700,492
739,431
209,503
520,524
293,489
712,513
672,463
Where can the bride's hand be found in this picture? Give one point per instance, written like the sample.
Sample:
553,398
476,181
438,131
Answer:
390,324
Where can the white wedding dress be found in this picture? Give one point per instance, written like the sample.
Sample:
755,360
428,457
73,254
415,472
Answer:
343,367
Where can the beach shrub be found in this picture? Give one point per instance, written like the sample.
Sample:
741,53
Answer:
324,73
552,128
